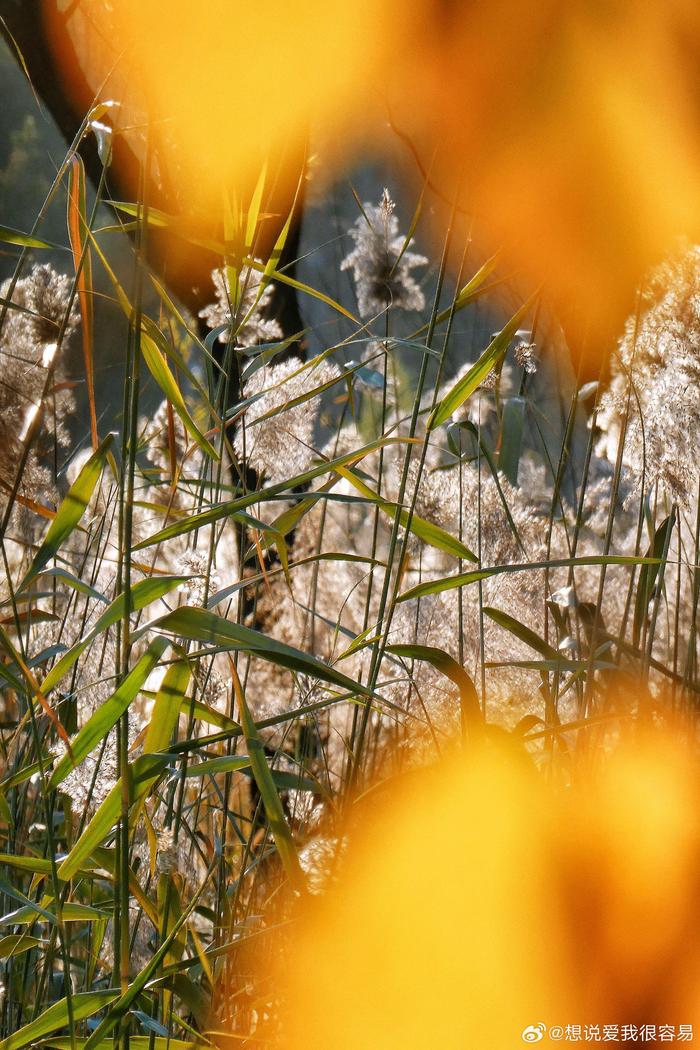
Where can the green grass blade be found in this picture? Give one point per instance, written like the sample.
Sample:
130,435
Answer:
84,1004
167,707
491,356
144,773
16,944
431,534
443,662
649,574
70,512
515,627
107,715
231,507
10,236
464,579
199,625
268,792
158,367
224,764
143,593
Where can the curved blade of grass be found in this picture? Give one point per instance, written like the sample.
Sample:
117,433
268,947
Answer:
84,1004
143,775
122,1005
106,716
200,625
283,278
155,359
254,209
136,1042
463,579
158,367
649,573
17,943
431,534
10,236
224,764
286,781
167,707
71,510
268,791
230,507
467,294
491,356
515,627
69,913
443,662
74,583
143,593
37,865
33,686
208,714
77,222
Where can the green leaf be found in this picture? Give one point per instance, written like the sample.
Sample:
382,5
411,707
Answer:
205,713
512,437
25,772
136,1042
16,944
74,583
143,774
509,623
158,367
143,594
268,792
463,579
166,709
283,278
123,1004
200,625
155,358
84,1004
286,781
77,224
230,507
108,714
70,512
471,291
254,209
657,553
10,236
431,534
37,865
490,358
224,764
443,662
69,913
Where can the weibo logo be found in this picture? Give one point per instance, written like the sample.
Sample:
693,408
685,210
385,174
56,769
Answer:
534,1033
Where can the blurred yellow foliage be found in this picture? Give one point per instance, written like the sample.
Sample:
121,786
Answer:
481,901
572,128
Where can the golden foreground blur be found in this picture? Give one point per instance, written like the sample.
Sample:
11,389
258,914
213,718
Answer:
478,901
571,129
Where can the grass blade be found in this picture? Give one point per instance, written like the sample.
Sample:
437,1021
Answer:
268,792
70,512
200,625
84,1004
492,355
107,715
143,593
